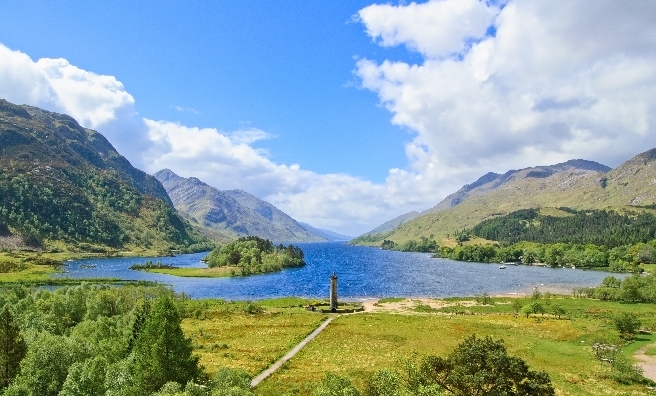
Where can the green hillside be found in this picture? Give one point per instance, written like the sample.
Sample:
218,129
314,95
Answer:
598,227
66,186
630,185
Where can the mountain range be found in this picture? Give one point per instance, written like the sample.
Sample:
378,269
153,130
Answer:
577,184
62,182
232,213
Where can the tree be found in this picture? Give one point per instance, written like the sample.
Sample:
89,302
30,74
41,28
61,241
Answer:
627,324
517,305
482,367
611,281
12,347
85,378
533,308
231,382
162,353
383,383
45,366
558,311
334,385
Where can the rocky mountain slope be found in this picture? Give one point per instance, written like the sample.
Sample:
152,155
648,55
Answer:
576,184
62,182
231,213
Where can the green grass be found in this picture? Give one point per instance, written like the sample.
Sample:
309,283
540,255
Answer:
31,274
651,351
217,272
224,335
648,267
390,300
355,346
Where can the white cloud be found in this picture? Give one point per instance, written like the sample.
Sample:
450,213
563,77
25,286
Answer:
95,101
558,81
249,135
437,28
186,109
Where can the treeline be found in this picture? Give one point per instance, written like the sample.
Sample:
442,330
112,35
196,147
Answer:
634,289
619,259
254,255
598,227
424,245
90,207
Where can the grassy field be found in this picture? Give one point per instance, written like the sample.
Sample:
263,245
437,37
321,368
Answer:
225,334
356,345
216,272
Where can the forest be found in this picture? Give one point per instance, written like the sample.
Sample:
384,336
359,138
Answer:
253,255
625,258
94,207
597,227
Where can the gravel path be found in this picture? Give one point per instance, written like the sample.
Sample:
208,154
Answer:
291,353
648,363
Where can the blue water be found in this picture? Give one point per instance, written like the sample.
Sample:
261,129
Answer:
363,272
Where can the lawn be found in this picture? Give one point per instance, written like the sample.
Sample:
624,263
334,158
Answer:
356,345
225,335
217,272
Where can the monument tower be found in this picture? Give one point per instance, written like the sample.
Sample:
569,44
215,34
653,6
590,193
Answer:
333,292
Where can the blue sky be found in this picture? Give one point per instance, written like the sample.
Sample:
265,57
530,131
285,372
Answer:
284,67
344,114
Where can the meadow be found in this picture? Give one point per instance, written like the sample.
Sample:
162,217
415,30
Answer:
356,345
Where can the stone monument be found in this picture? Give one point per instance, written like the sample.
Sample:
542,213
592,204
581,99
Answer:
333,292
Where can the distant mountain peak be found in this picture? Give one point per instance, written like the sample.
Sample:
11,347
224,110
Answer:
491,181
166,175
231,213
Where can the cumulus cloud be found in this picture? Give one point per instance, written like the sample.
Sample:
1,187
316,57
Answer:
555,82
96,101
437,28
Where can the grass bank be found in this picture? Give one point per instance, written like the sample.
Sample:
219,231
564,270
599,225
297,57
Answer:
217,272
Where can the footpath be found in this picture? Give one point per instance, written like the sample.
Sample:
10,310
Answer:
647,363
264,374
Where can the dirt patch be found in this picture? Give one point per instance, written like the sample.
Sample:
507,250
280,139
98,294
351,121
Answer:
408,305
647,363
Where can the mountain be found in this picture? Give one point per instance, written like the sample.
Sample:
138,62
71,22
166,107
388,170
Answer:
231,213
492,181
577,184
326,234
62,182
395,222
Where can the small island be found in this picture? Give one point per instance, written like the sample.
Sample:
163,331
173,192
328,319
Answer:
248,255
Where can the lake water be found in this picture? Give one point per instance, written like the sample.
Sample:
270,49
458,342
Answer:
363,272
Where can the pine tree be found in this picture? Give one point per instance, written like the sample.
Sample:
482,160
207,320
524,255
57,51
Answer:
12,347
162,353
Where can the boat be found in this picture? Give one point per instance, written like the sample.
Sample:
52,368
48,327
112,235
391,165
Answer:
502,266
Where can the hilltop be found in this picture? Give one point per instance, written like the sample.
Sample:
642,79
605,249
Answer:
232,213
576,184
61,183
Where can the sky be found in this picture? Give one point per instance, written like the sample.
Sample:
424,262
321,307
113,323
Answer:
343,114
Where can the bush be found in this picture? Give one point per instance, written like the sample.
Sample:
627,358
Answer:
334,385
627,324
